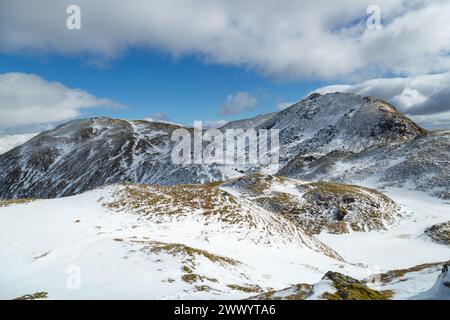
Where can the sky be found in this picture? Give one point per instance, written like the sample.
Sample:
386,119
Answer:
216,61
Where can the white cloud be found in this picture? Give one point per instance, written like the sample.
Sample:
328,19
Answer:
158,117
27,100
284,105
290,39
425,98
238,102
161,117
214,123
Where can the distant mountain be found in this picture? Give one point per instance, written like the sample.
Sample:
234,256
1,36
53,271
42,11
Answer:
316,135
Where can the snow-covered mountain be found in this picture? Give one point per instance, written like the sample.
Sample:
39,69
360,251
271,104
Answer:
317,132
248,123
85,154
129,241
321,124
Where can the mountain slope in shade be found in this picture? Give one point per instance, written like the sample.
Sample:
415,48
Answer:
422,164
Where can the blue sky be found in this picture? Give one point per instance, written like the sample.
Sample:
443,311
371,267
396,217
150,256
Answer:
218,60
146,82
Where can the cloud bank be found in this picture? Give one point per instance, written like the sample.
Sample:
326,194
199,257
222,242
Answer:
290,39
27,99
238,102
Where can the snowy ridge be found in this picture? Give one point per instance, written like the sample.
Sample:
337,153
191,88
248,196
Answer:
102,196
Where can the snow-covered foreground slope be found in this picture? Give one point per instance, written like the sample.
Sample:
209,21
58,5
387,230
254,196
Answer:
160,248
10,141
440,290
126,255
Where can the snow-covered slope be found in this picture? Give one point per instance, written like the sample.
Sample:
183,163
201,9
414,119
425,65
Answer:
407,283
440,290
217,211
203,241
118,243
10,141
